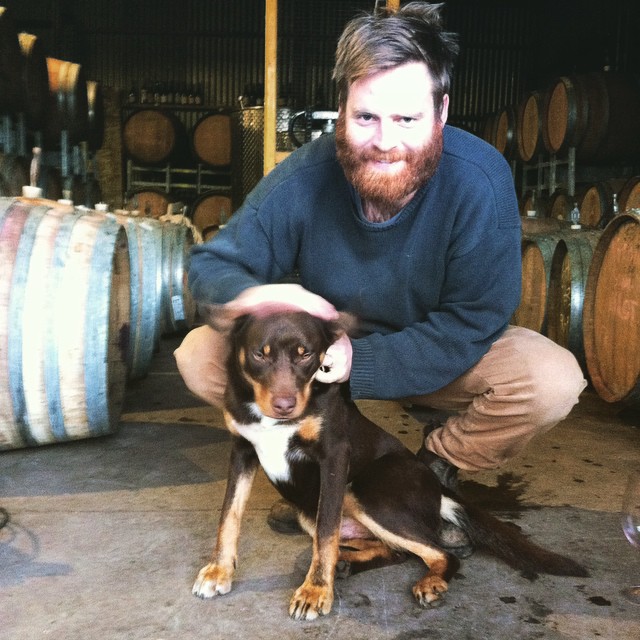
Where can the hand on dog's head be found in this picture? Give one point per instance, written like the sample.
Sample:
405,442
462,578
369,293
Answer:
224,319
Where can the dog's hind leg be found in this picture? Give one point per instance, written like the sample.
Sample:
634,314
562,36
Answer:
441,565
357,555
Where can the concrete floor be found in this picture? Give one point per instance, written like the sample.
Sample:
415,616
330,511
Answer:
106,536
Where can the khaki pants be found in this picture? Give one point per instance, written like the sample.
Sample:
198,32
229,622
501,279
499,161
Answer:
523,386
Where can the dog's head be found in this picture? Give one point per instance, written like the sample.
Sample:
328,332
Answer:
276,356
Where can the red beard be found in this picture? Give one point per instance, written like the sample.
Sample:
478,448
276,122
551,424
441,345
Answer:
388,192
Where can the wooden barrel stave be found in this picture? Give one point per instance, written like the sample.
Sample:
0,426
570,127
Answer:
537,253
178,305
611,315
568,276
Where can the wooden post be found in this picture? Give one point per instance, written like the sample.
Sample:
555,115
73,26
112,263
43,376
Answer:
270,83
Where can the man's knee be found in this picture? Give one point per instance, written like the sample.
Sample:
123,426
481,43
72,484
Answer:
201,359
556,381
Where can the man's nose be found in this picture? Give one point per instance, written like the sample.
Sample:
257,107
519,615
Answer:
387,135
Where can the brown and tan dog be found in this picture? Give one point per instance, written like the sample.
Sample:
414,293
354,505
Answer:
364,498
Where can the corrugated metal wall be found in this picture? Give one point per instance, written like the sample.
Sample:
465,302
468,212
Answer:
217,45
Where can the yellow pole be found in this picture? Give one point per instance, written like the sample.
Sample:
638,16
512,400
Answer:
393,4
270,83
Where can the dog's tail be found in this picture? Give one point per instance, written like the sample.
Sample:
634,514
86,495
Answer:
506,542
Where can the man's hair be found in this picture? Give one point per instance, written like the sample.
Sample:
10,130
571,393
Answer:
376,42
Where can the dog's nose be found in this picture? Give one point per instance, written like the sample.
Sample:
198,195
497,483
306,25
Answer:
284,405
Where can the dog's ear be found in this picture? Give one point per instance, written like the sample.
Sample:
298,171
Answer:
217,316
345,324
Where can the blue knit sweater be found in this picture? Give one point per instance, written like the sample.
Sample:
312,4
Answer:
433,287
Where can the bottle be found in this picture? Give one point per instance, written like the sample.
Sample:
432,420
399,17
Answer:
532,213
144,94
575,217
131,97
615,205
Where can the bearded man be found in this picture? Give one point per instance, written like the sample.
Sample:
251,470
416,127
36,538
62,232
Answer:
412,226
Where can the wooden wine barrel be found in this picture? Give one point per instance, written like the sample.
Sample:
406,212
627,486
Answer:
144,238
505,132
64,306
14,171
560,204
210,210
211,139
35,80
543,226
10,64
611,315
596,203
537,253
69,110
178,305
153,136
488,132
629,196
151,203
596,113
529,126
567,281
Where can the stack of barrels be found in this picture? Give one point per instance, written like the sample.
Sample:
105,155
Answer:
154,136
595,114
84,299
581,288
43,99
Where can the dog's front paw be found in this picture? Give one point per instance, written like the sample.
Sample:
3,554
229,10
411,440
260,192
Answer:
428,591
311,601
213,580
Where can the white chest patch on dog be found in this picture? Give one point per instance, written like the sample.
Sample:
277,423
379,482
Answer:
270,438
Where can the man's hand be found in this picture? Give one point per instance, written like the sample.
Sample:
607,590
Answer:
336,366
272,298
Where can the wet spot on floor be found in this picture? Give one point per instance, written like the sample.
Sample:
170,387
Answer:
506,496
508,599
600,601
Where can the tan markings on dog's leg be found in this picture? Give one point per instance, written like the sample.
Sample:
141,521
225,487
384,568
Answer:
428,589
310,428
315,596
230,423
307,524
216,577
364,551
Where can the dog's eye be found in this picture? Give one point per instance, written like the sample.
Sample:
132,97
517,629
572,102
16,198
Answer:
306,355
258,355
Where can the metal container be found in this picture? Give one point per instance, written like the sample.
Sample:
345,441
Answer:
247,149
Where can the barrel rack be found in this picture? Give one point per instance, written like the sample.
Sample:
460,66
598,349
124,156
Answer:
546,174
170,178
